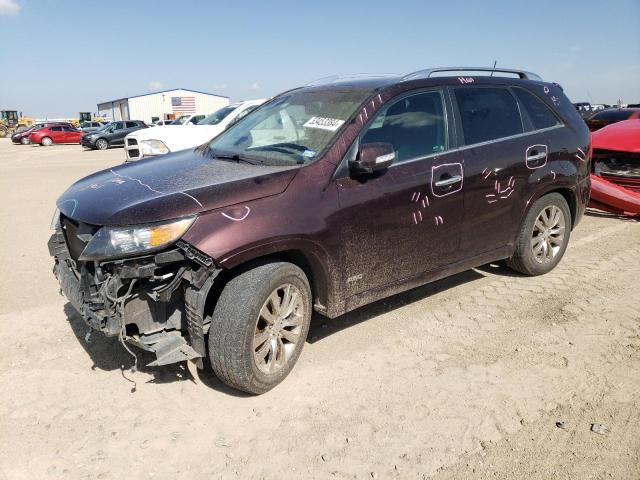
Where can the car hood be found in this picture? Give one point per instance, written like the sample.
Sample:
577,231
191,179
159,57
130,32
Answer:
621,136
171,186
179,137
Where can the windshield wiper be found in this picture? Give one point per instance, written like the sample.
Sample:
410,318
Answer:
236,157
284,147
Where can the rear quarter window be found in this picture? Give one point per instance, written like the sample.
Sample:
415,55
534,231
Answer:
487,113
540,114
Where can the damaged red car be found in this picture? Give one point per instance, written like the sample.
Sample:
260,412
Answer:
616,169
326,198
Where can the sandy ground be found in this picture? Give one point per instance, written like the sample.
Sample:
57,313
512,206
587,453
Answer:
464,378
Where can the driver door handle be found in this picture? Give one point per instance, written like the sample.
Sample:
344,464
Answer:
447,182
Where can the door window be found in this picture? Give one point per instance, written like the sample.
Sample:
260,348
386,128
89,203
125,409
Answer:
415,125
488,113
541,116
117,126
56,129
131,124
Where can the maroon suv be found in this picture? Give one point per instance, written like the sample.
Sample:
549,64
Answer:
326,198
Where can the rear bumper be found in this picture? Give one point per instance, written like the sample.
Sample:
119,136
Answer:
148,301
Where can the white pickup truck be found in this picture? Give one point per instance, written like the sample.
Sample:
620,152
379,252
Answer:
164,139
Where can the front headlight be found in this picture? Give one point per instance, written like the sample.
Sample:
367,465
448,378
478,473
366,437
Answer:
153,147
113,242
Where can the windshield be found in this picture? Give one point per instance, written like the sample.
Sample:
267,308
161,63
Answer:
217,116
180,120
291,130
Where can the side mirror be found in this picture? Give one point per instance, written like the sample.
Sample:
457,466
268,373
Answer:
372,157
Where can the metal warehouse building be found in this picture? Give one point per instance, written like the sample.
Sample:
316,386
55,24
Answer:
162,105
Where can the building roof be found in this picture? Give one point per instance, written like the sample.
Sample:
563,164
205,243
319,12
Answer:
163,91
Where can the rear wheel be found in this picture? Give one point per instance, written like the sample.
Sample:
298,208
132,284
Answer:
102,144
46,142
4,131
259,326
543,237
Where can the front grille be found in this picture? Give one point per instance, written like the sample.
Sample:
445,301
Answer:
133,153
132,141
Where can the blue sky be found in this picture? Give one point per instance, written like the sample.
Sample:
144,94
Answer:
61,57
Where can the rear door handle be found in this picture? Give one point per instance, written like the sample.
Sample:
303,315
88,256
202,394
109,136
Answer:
537,156
447,182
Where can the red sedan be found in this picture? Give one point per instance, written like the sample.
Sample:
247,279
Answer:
615,181
55,134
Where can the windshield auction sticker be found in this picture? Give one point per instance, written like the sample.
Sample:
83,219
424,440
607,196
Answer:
331,124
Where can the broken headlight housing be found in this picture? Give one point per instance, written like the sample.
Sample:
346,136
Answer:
114,242
153,147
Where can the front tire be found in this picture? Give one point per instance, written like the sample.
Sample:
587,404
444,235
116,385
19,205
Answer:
543,237
24,141
259,326
102,144
46,142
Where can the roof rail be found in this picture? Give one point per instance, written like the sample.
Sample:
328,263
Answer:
429,71
355,76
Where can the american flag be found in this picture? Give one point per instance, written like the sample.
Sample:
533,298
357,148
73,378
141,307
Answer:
183,104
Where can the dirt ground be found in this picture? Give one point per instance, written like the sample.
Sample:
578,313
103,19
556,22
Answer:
464,378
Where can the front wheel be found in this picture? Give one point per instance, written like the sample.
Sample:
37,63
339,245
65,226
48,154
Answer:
102,144
543,236
259,326
24,141
46,142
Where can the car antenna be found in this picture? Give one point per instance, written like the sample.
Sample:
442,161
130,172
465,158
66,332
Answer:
495,62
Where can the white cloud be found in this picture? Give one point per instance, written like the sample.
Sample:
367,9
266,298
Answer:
255,86
9,7
220,86
155,85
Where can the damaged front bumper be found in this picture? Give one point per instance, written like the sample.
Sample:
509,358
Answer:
155,302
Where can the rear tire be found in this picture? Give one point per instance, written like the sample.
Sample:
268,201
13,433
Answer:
46,142
259,326
102,144
543,237
4,131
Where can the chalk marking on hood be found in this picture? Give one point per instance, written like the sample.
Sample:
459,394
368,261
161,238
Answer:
153,189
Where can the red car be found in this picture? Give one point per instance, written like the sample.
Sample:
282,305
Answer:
615,181
611,115
55,134
23,136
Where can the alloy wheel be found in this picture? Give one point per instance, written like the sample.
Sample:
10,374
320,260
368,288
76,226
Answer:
548,234
278,328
